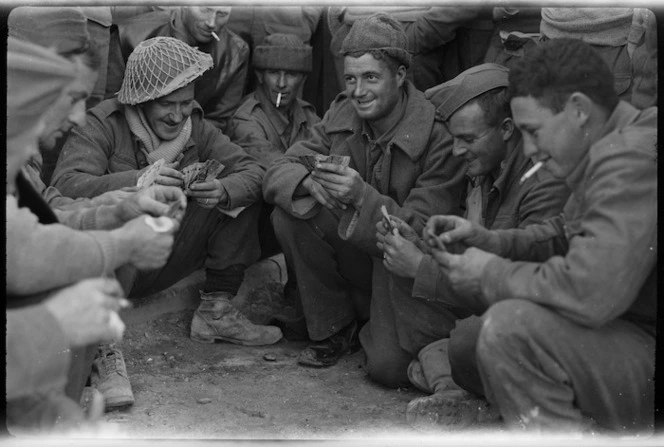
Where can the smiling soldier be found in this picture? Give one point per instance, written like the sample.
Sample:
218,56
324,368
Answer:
400,157
219,91
156,117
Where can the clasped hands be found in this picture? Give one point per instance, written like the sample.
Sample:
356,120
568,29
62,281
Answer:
448,239
335,186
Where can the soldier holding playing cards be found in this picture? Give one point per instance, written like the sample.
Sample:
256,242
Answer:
385,148
155,117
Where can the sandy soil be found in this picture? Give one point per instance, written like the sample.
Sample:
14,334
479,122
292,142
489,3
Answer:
184,389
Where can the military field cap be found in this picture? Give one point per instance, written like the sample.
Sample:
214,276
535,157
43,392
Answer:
36,77
158,67
282,52
62,28
449,96
379,31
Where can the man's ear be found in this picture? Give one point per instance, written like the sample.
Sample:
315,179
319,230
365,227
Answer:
581,107
401,75
259,77
507,128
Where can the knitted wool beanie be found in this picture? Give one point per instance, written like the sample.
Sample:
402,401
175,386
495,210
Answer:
62,28
283,52
379,31
158,67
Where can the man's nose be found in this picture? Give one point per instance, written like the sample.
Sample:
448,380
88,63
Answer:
176,114
281,82
458,150
211,19
529,147
77,114
358,91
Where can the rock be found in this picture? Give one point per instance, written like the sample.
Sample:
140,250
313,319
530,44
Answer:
269,358
204,400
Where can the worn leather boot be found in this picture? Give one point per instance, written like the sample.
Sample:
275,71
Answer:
217,319
109,377
449,406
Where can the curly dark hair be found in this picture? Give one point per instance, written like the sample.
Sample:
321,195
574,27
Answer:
555,69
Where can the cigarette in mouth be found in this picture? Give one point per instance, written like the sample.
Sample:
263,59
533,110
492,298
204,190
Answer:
215,36
278,100
531,171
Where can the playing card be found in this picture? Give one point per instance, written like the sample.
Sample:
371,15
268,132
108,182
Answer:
149,176
200,172
386,218
310,160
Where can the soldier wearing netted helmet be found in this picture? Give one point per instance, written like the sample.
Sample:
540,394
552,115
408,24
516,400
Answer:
155,117
325,218
220,90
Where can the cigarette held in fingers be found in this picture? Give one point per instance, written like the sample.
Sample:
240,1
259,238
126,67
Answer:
531,171
215,36
278,100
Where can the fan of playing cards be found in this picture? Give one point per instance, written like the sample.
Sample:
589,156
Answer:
149,176
200,172
310,160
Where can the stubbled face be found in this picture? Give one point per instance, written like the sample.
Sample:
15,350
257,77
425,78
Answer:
555,138
374,90
69,110
167,115
201,21
286,82
480,145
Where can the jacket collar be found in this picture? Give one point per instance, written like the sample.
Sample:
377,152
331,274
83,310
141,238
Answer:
412,133
279,121
511,167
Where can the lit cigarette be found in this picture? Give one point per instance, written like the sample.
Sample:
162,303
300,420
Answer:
531,171
278,100
215,36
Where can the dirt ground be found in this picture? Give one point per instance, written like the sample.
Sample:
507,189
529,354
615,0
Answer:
185,389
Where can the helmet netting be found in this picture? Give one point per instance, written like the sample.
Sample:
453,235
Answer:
159,66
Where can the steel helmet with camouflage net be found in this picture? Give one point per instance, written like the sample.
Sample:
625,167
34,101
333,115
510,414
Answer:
158,67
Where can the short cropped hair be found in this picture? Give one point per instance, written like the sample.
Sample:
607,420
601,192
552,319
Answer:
555,69
495,104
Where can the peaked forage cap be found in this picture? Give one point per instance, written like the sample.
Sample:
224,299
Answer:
158,67
450,96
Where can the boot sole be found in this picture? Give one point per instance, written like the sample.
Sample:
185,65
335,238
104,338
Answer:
235,341
118,402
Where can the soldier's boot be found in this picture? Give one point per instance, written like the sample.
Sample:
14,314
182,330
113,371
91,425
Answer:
217,319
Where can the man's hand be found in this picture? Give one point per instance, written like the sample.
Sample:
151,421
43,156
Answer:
208,194
342,182
155,201
464,271
168,175
321,195
401,256
450,231
87,311
149,249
